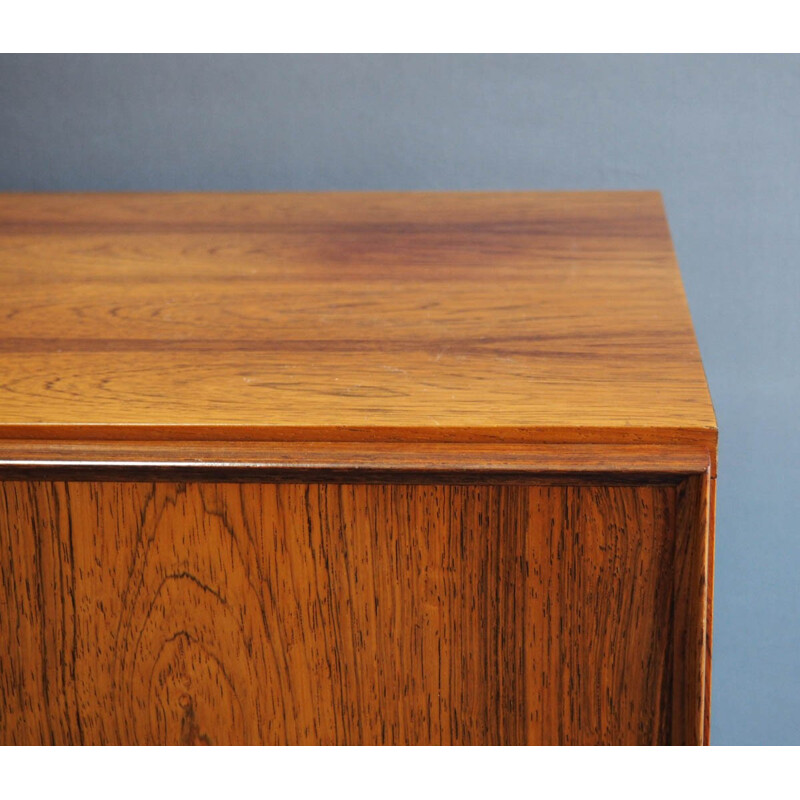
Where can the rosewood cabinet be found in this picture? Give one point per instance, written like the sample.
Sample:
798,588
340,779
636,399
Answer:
351,469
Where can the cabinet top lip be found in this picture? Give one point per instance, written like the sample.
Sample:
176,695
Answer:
357,316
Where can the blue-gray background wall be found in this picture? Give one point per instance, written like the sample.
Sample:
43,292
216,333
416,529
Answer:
719,135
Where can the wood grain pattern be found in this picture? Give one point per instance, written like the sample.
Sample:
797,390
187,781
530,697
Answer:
526,317
351,468
308,613
354,462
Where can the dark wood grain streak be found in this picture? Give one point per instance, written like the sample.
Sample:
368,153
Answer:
309,613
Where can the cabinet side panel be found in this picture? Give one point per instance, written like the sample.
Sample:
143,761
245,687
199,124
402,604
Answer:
320,613
691,626
711,533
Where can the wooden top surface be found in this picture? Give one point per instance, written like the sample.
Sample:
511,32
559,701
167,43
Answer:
520,317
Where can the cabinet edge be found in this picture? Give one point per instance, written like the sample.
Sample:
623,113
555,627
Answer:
378,462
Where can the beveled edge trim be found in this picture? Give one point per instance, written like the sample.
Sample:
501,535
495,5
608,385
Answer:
54,433
376,462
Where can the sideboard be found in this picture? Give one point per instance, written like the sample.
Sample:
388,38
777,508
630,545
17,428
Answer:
359,468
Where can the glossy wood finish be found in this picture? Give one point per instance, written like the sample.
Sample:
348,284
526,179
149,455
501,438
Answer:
363,462
360,614
427,317
358,468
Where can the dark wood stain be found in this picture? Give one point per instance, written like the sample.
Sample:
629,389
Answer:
142,613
